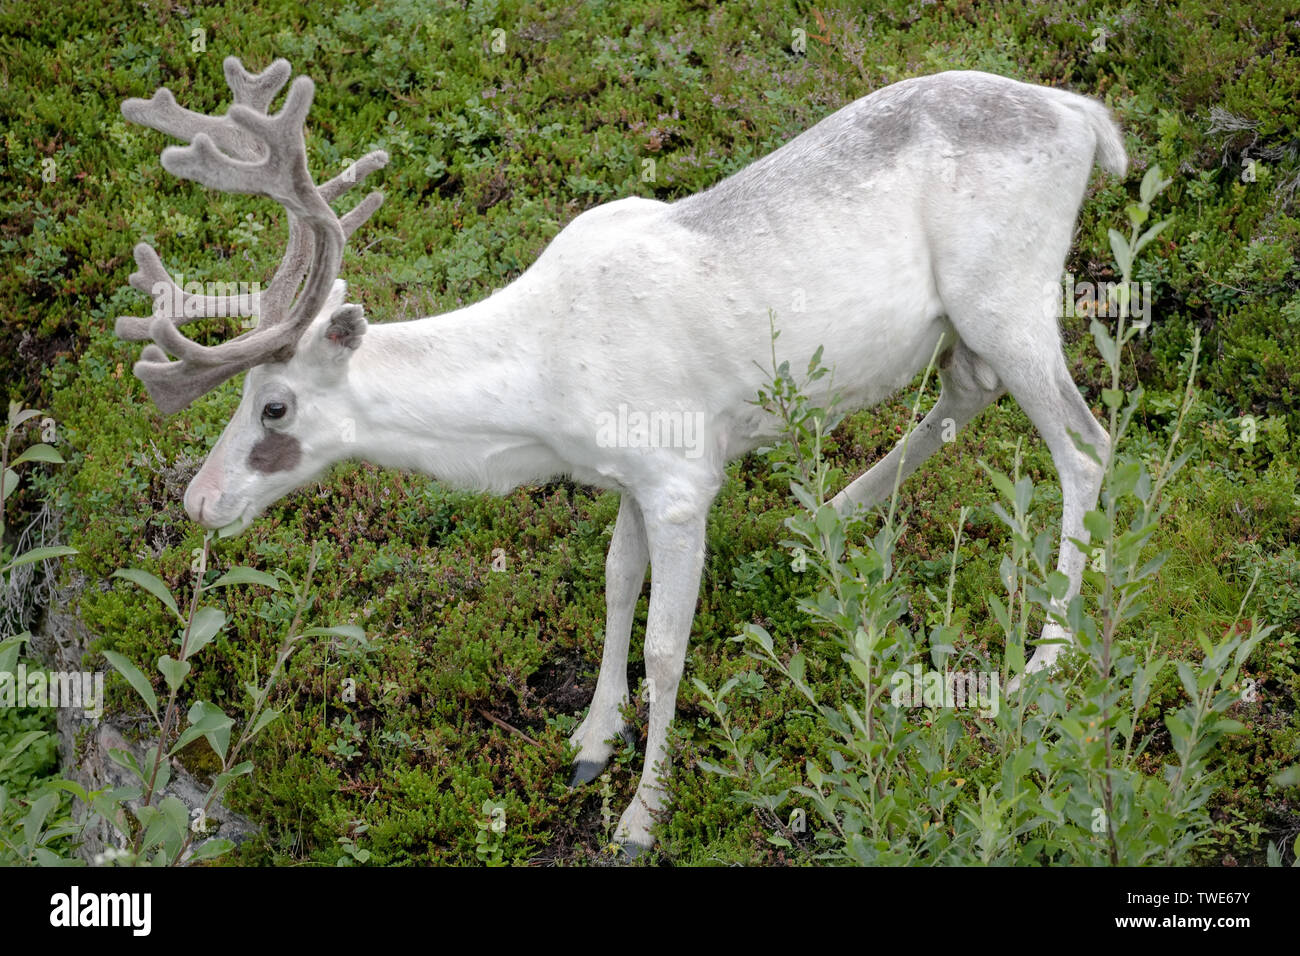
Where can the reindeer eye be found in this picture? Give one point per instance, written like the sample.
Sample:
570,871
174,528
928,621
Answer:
274,410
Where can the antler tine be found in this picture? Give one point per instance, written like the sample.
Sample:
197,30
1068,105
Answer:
293,268
270,159
252,90
280,175
183,307
173,302
173,385
163,113
359,213
255,89
363,167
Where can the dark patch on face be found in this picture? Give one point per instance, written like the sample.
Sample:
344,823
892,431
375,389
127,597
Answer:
276,452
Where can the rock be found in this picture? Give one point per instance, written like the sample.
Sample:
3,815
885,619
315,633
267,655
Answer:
84,744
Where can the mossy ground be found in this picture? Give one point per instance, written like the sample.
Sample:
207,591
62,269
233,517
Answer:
493,152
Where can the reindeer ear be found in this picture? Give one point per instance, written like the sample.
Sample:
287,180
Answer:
345,327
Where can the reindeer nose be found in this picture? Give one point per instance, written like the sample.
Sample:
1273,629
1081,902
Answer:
197,498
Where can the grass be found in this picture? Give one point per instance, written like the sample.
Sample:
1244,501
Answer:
492,153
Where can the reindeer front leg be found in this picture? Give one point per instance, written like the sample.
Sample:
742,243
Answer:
624,574
675,534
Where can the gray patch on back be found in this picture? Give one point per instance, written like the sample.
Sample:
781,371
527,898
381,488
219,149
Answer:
964,112
276,452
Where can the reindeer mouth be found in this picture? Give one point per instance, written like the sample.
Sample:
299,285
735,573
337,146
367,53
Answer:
225,529
236,527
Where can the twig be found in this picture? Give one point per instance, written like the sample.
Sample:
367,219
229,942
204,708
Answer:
504,726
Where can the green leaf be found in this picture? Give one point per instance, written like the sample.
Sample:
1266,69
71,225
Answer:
40,554
1015,655
11,482
1150,184
1008,573
135,678
1120,250
9,649
167,824
34,822
176,813
1290,777
709,767
1057,584
151,584
173,671
124,758
231,529
206,720
207,623
242,575
814,773
215,847
797,664
224,779
1083,446
163,772
815,360
826,519
238,770
18,746
1178,727
341,630
1125,478
1105,344
208,849
17,417
1150,234
758,634
1000,612
1001,482
263,719
39,452
1098,525
74,788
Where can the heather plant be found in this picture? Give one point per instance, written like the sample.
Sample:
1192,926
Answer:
38,826
1051,770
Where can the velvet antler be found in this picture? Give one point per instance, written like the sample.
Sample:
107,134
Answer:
252,152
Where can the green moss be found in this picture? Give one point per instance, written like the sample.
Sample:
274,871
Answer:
492,154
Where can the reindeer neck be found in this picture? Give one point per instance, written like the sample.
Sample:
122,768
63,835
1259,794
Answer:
458,396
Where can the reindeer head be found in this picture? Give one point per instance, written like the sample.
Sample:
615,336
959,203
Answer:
286,428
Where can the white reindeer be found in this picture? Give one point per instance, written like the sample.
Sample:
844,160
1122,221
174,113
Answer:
938,206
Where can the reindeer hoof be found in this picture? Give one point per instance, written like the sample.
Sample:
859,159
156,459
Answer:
585,771
631,851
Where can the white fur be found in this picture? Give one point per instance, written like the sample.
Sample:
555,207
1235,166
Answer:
893,222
